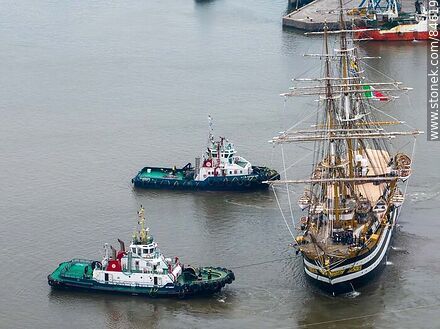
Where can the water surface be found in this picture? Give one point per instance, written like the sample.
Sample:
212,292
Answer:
91,91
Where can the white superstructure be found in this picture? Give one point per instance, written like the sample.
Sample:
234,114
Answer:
221,160
142,264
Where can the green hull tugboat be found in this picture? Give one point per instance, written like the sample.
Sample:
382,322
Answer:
139,270
220,169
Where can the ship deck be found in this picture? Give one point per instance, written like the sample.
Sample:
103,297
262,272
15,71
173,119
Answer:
324,241
75,269
161,173
204,277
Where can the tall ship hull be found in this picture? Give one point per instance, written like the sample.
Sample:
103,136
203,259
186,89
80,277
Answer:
357,271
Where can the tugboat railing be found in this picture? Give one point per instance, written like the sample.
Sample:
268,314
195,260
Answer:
74,261
131,284
81,260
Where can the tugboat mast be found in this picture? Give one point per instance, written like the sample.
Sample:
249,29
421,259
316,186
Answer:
143,232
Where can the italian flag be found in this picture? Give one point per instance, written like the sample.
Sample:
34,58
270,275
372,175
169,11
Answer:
373,94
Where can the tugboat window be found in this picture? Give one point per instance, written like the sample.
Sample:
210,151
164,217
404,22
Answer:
145,251
133,250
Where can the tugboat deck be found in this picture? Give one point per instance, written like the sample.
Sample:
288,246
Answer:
204,275
162,173
75,269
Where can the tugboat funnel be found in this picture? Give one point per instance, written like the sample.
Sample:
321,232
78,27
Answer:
121,245
113,252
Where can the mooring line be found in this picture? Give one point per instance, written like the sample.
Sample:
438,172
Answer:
261,263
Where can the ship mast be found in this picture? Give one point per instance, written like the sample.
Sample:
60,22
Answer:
143,232
211,129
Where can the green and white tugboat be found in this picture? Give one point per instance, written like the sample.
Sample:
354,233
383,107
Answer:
219,169
139,270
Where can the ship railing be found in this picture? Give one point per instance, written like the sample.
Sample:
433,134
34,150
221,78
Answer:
134,270
79,276
74,261
81,260
131,284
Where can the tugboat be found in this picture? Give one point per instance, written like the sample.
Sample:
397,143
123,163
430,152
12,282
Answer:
221,169
140,270
356,187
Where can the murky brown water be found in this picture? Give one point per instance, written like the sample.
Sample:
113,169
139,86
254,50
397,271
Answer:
90,92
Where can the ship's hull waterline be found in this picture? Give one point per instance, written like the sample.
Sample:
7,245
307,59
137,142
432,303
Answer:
162,292
370,265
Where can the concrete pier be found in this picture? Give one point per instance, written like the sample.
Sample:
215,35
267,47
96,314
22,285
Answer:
312,17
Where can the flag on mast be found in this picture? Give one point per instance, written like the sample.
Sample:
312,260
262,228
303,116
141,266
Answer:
371,93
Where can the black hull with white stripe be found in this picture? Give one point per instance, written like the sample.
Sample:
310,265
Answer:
356,271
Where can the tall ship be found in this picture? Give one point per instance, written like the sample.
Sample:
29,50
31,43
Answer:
139,270
359,173
219,169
